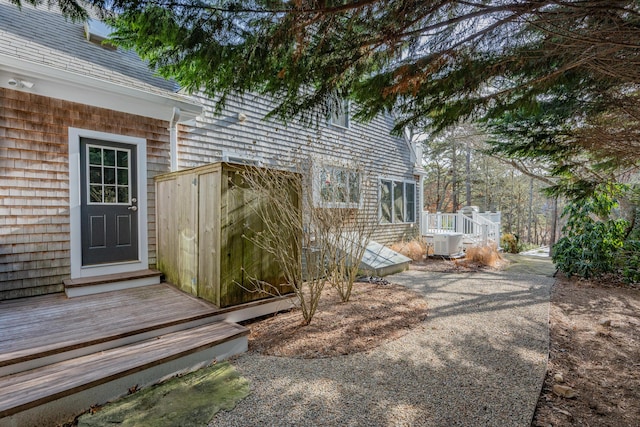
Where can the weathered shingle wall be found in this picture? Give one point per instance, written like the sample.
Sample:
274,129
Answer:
34,184
369,145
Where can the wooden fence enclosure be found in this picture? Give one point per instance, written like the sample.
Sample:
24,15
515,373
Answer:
207,218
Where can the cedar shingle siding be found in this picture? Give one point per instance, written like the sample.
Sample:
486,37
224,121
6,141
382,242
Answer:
270,141
34,176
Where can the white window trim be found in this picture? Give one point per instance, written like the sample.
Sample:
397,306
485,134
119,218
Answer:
77,270
347,113
317,186
404,185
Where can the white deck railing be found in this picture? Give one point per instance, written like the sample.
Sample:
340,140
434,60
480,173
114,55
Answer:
480,227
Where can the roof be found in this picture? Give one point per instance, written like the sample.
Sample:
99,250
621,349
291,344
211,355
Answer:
41,38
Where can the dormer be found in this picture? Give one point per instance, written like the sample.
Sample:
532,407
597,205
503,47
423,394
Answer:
98,32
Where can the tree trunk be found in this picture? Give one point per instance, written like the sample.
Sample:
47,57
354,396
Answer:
530,210
454,178
468,175
554,225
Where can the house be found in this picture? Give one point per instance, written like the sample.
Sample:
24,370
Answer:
61,93
84,131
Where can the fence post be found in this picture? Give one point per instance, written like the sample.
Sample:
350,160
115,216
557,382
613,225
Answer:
425,222
438,221
485,234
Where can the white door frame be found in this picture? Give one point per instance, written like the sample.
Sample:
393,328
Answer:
77,270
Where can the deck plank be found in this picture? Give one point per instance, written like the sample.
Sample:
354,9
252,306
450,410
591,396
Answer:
53,322
28,389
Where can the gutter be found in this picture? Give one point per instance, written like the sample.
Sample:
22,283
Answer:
165,100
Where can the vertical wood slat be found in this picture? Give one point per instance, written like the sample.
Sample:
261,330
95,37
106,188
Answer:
187,229
206,213
232,242
209,233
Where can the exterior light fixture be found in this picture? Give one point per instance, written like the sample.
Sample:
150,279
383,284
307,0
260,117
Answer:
20,84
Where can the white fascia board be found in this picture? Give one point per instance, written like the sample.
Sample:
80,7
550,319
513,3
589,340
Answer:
74,87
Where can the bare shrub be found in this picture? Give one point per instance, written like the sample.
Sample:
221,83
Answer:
319,236
347,222
285,235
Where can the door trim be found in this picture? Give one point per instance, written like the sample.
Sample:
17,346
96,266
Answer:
77,270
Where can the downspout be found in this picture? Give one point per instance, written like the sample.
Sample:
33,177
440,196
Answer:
173,139
415,151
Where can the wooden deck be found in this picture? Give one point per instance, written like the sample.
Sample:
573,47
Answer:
39,326
29,389
59,355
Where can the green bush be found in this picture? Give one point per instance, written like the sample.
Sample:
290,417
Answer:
593,251
631,261
593,242
509,243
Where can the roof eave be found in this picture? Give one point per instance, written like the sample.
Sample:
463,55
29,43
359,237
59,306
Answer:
71,86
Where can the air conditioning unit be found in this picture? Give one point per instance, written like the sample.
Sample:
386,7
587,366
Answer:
448,244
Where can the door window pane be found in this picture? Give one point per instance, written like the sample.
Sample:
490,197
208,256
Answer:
95,194
95,175
123,194
109,194
109,175
109,157
123,177
123,159
95,156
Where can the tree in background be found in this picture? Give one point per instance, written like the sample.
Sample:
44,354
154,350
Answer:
462,171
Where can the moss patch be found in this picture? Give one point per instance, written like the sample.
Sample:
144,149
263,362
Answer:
524,264
190,400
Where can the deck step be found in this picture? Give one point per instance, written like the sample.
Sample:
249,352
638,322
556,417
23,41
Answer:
57,328
35,356
66,388
110,282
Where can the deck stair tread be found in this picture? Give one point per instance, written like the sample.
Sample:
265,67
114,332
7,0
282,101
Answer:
110,278
31,388
58,324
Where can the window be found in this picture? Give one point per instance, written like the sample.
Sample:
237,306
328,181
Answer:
340,114
397,201
109,172
337,187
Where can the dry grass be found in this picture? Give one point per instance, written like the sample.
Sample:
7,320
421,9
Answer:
485,255
414,249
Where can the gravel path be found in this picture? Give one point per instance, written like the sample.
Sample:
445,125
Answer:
478,360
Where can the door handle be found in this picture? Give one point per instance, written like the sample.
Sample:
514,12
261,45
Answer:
133,208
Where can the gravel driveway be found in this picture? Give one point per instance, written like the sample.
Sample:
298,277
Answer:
478,360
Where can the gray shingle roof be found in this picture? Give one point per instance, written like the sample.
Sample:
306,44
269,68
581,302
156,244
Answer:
42,35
